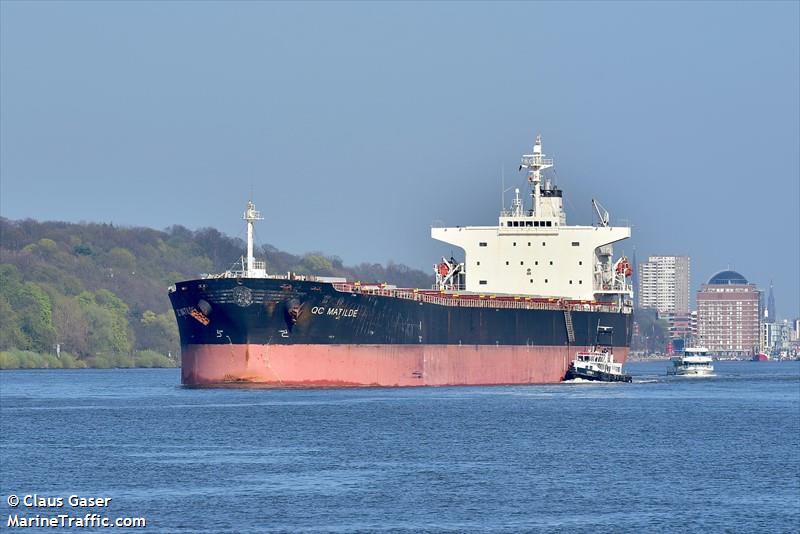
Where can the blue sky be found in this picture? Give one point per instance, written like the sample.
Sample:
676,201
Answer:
358,124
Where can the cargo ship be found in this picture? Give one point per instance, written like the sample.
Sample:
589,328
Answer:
525,296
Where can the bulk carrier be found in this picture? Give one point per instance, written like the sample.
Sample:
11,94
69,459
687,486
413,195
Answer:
529,293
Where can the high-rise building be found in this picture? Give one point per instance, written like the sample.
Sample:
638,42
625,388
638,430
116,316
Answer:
769,313
728,315
664,284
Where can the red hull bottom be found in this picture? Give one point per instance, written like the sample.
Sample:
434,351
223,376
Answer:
376,365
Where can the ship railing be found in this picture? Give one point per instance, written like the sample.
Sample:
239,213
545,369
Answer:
481,301
259,265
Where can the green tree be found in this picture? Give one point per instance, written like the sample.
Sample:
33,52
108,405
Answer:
158,332
11,335
72,327
315,264
47,247
121,258
36,316
32,308
108,324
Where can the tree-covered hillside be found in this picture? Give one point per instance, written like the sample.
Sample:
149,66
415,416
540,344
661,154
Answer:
99,292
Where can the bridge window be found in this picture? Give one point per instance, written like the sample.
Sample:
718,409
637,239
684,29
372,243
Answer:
549,223
536,223
528,223
508,223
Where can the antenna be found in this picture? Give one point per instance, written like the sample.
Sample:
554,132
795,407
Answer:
503,187
516,204
602,213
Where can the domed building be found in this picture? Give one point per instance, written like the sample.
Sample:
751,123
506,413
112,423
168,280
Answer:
727,278
728,315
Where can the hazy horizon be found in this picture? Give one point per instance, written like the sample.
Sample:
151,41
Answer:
355,125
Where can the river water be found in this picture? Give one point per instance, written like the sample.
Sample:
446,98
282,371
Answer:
661,454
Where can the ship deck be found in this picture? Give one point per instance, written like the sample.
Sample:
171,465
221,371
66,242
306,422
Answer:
455,298
476,300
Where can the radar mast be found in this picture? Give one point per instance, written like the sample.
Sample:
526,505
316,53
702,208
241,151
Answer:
535,163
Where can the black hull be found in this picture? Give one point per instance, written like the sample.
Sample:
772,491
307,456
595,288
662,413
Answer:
572,374
297,312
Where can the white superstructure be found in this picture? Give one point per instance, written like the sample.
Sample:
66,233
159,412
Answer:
694,362
534,252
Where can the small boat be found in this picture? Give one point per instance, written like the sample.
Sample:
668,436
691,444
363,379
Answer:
597,364
694,362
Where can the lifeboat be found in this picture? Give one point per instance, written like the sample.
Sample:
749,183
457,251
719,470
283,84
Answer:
624,267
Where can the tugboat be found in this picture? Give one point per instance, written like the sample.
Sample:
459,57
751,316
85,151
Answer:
598,364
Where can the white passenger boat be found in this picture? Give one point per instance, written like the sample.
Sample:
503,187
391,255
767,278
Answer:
694,362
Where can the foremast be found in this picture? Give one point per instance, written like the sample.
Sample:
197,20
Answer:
252,268
247,266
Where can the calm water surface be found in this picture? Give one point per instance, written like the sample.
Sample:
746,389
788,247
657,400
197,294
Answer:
694,455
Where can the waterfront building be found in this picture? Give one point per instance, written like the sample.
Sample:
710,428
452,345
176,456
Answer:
680,329
728,315
776,337
680,326
663,284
